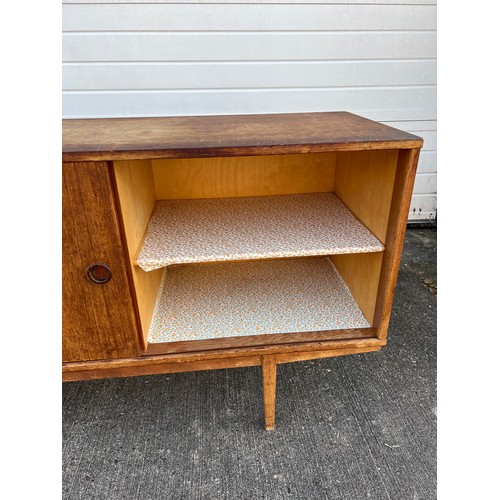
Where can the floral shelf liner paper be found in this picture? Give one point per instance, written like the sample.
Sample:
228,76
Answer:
233,299
230,229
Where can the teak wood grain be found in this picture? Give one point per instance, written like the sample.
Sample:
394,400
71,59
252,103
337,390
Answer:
160,368
259,340
310,355
180,358
233,135
269,390
394,240
155,367
99,320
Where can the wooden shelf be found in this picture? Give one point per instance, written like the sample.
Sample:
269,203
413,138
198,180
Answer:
264,227
233,299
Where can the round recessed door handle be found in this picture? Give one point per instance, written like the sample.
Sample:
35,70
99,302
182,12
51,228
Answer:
99,273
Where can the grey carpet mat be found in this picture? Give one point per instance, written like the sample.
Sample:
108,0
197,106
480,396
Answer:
351,427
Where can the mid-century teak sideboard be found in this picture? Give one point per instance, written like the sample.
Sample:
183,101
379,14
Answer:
197,243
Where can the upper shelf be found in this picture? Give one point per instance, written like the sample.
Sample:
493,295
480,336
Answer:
263,227
229,135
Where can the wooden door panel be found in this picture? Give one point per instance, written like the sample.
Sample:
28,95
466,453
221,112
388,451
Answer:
98,319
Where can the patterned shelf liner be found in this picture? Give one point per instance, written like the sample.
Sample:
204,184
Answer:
232,299
263,227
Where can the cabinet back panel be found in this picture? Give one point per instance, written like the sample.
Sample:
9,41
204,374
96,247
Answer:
136,192
364,181
244,176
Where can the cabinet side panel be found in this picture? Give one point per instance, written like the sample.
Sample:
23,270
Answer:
403,187
364,181
137,198
244,176
361,272
98,319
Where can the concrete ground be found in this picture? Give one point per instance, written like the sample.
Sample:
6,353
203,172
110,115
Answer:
353,427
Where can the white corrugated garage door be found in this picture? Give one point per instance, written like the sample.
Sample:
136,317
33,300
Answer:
144,58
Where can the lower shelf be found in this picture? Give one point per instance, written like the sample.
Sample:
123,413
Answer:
247,298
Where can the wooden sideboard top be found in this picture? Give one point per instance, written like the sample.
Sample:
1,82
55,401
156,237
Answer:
228,135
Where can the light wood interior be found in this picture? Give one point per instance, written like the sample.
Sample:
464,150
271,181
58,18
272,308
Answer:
364,181
361,273
136,190
244,176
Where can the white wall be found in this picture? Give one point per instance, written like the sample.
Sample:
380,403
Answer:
375,58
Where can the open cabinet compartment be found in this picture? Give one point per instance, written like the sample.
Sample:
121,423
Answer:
261,249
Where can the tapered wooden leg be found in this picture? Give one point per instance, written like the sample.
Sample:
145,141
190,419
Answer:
269,387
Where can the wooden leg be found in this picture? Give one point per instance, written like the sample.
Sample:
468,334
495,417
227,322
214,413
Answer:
269,387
